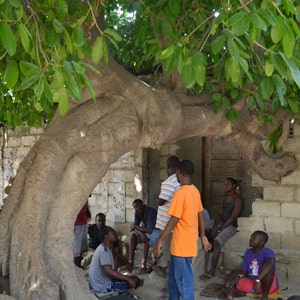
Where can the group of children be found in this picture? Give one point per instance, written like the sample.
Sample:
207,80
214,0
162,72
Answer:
258,274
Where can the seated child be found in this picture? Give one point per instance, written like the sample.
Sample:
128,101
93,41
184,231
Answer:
258,274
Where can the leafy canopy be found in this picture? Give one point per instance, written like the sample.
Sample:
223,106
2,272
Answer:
234,49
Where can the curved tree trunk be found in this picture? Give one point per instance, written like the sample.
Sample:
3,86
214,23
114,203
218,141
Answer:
70,159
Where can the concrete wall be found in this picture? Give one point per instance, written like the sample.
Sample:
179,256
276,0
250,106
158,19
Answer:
277,212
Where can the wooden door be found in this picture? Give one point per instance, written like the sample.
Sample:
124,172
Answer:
221,159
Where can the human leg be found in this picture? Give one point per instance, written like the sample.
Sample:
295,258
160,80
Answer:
132,248
172,286
269,284
80,241
184,277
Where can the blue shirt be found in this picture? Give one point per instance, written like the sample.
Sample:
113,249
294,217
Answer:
148,219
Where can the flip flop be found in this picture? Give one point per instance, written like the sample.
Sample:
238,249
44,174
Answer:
206,276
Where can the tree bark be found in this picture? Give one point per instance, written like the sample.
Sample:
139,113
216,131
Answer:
71,157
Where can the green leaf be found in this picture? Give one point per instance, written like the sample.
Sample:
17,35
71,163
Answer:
72,86
15,3
269,68
226,102
28,82
8,38
233,49
244,64
241,27
98,49
217,44
61,97
233,115
267,87
68,41
89,86
63,7
257,21
198,59
278,81
167,52
288,43
11,74
188,76
251,103
295,27
278,31
294,69
294,106
113,34
234,70
58,27
25,36
167,29
78,68
28,68
173,59
260,102
78,36
279,65
237,18
52,38
200,74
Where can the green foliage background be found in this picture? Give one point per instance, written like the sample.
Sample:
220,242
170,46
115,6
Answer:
234,49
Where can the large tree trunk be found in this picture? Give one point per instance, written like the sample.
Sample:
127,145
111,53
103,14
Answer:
70,159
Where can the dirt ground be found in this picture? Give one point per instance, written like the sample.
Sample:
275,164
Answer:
155,284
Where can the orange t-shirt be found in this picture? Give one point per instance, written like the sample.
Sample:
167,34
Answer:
185,206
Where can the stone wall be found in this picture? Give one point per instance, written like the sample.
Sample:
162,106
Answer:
278,213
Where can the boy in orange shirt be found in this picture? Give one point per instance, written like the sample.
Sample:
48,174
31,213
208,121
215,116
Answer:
186,220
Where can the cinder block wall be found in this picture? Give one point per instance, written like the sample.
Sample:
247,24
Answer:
278,213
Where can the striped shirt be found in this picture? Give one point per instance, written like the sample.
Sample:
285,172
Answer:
168,187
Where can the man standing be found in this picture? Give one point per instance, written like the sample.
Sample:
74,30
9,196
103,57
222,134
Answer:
142,232
168,187
225,225
186,220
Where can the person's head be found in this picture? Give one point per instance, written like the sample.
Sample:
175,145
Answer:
185,171
108,235
172,164
258,239
230,184
100,220
138,206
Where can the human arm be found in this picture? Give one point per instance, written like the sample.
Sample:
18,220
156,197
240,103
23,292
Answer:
119,276
160,201
218,219
201,229
267,267
233,278
168,229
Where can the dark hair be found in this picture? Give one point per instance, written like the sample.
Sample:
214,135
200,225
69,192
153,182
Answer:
100,215
232,180
173,162
137,201
105,230
263,235
186,167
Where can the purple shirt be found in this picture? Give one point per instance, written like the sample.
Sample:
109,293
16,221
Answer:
253,262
